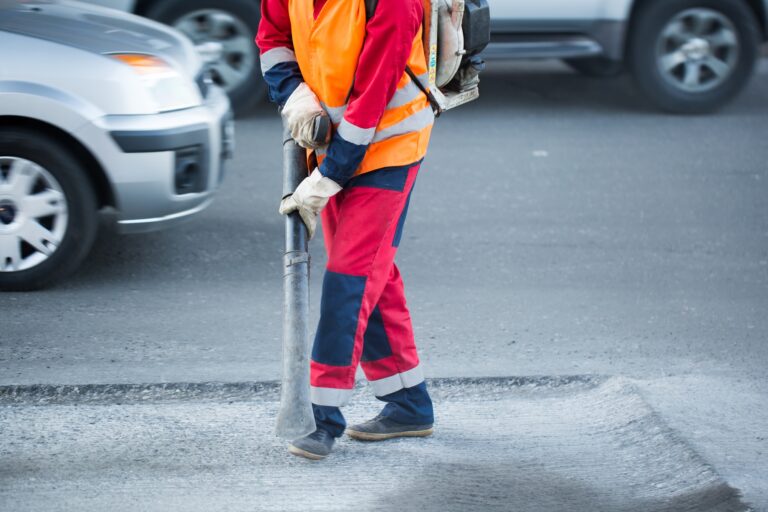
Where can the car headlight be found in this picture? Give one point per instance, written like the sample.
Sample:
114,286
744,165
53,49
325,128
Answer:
170,89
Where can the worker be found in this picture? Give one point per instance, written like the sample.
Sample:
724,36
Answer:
328,58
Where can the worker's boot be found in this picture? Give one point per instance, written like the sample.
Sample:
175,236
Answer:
381,427
315,446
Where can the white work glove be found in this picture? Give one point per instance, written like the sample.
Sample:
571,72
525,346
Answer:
309,198
300,112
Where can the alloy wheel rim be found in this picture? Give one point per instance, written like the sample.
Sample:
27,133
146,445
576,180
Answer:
231,34
697,50
33,214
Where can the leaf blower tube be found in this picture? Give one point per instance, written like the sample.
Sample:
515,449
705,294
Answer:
295,418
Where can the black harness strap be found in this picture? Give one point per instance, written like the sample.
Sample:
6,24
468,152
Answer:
370,8
431,97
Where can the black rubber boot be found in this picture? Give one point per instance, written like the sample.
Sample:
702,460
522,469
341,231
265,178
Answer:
381,427
315,446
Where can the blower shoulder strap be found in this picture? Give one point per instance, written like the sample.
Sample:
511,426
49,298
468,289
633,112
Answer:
370,10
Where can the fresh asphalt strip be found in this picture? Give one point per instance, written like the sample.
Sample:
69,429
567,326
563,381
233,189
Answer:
580,443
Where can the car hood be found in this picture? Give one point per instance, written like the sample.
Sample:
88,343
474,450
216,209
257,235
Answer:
97,30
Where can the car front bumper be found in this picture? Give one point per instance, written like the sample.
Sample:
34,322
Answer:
163,168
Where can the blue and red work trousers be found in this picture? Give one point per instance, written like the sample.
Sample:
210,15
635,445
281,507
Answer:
363,316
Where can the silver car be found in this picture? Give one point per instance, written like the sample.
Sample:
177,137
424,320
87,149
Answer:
98,109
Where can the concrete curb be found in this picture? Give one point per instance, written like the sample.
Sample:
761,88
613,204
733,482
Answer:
43,394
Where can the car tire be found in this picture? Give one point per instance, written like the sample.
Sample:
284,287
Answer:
247,88
667,74
63,174
596,67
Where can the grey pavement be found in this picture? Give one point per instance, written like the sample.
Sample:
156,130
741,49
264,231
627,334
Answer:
499,445
559,226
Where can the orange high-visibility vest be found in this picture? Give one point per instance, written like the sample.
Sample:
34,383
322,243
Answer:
327,50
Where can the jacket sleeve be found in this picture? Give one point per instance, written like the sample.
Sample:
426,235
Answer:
382,61
278,61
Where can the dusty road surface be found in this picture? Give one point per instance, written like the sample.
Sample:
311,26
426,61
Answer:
502,444
559,227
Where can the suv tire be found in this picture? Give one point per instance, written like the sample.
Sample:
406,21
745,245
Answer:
667,74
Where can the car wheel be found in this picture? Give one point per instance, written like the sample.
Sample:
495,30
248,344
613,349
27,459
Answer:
597,67
48,217
692,56
231,24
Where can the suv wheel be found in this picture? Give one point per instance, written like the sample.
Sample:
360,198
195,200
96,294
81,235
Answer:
692,56
232,26
47,211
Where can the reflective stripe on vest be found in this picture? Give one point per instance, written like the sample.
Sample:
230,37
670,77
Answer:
413,123
327,50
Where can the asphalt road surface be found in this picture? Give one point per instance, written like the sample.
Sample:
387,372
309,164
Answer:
559,226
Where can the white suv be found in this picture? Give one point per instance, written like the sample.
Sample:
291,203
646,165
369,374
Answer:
687,56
